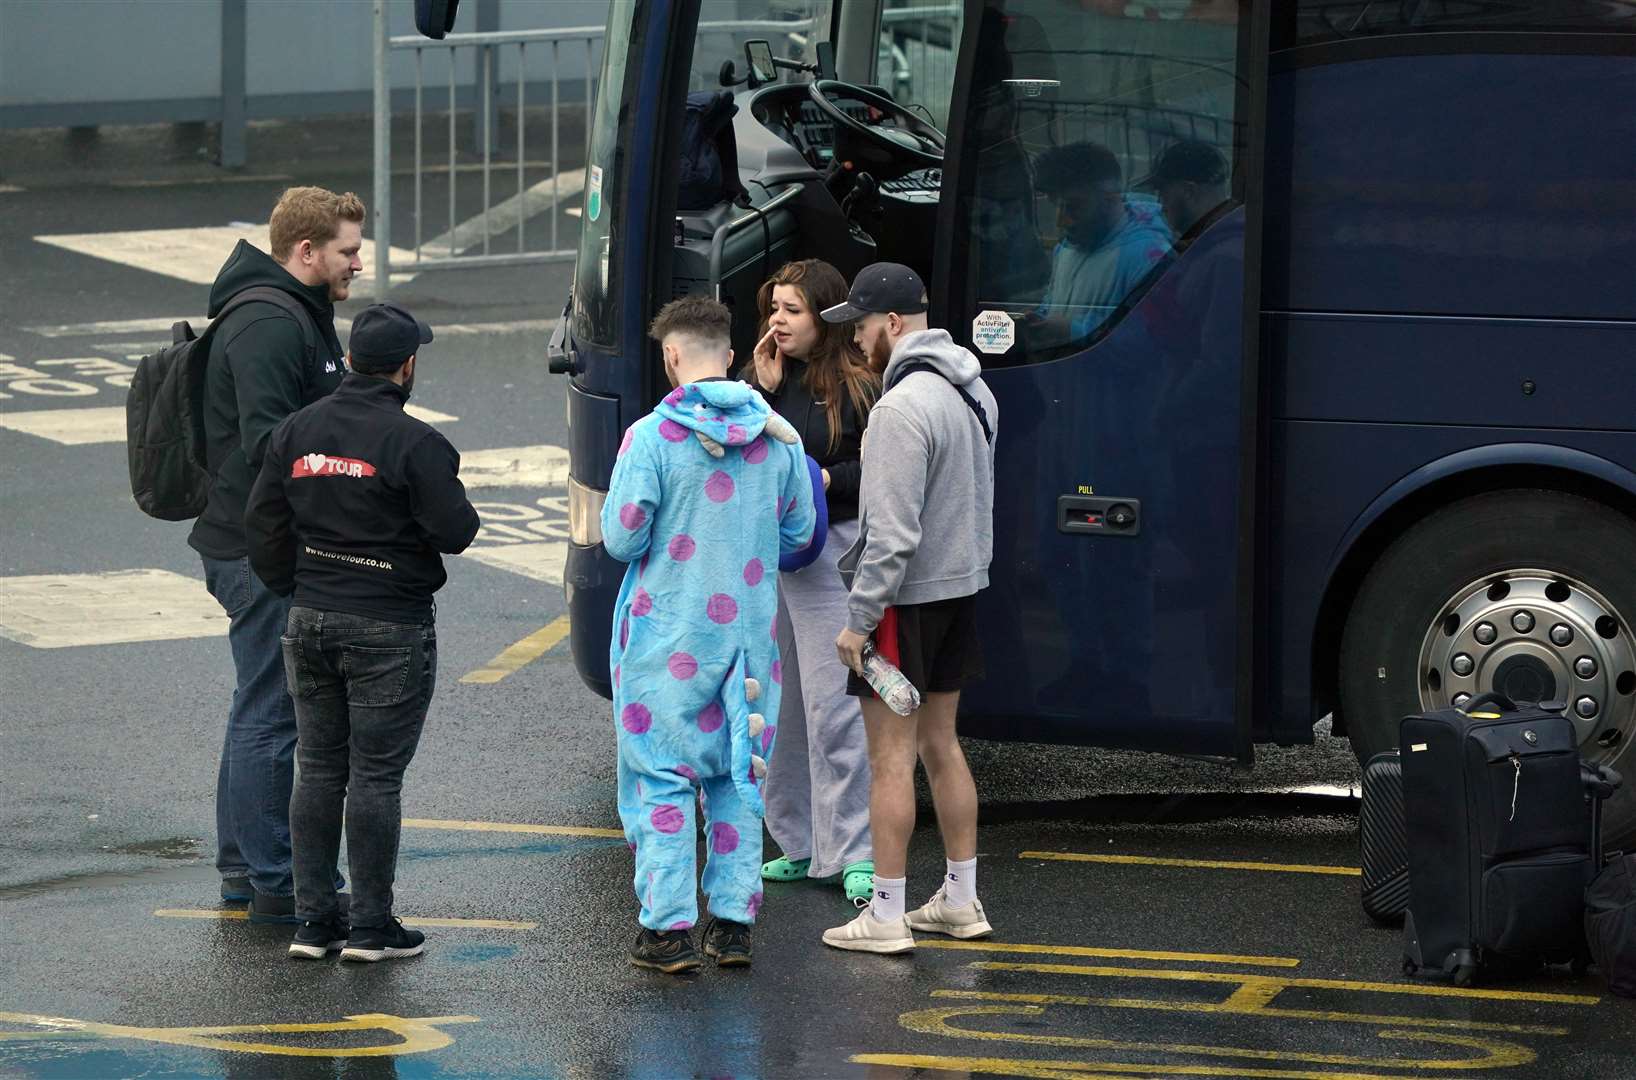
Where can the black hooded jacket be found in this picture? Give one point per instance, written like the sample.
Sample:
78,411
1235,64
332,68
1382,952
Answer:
795,403
354,502
259,372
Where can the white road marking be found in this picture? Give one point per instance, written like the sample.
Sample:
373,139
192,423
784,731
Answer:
502,217
518,466
10,189
80,427
56,611
541,561
195,254
199,322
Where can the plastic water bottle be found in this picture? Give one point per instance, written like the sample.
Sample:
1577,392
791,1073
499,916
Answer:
891,684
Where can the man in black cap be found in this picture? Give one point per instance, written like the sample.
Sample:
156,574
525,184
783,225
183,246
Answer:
353,504
1190,179
922,554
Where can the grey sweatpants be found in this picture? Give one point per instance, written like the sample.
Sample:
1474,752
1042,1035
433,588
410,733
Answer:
817,790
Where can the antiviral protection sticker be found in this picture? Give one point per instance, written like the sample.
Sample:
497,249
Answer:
593,194
993,332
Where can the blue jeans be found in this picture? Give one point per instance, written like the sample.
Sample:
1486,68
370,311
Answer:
258,753
361,688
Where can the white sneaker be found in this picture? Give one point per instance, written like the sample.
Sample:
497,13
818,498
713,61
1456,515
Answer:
938,916
869,934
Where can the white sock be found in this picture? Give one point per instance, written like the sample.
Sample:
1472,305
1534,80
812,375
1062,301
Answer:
960,885
888,903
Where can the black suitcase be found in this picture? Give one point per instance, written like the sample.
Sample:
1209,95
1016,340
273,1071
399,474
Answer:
1504,836
1382,843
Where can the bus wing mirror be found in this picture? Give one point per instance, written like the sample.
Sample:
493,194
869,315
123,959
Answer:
434,18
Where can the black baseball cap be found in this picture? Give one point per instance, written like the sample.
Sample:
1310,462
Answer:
1186,160
879,288
384,336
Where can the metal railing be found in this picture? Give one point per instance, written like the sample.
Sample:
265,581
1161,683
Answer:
449,249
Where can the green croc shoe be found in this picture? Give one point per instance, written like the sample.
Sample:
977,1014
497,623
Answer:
858,879
785,868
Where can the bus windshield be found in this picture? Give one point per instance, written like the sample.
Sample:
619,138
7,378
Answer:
595,313
793,27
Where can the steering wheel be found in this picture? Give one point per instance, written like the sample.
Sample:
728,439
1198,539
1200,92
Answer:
886,153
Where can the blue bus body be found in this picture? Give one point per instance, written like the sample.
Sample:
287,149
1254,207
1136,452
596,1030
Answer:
1437,251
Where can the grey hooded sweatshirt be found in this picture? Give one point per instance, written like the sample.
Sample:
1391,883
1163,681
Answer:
927,497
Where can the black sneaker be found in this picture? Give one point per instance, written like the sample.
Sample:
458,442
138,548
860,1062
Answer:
389,942
267,908
728,942
669,951
315,940
236,890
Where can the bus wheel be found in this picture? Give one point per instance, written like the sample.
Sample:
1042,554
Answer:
1528,593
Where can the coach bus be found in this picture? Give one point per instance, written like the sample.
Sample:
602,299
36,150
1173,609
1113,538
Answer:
1312,325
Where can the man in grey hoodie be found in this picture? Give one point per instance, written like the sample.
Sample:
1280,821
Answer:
927,507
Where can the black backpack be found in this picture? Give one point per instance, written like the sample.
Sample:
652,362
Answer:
164,413
708,172
1610,924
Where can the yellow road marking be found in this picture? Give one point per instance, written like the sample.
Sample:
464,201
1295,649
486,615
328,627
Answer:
1468,994
510,826
1256,1000
525,651
1052,1069
471,924
1495,1055
1197,864
1111,954
418,1034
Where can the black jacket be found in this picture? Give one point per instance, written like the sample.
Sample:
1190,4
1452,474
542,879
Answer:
258,372
795,403
354,501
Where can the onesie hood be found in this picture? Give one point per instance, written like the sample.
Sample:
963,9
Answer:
732,413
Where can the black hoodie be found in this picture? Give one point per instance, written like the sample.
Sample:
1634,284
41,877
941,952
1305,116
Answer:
795,403
258,373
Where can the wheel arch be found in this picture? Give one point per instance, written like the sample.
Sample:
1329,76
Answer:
1497,467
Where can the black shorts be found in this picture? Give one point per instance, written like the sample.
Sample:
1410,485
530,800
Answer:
934,644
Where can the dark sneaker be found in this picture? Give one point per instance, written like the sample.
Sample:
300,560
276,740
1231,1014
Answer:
267,908
315,940
728,942
236,890
669,951
389,942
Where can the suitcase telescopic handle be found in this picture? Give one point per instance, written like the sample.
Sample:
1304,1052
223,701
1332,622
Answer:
1601,781
1489,698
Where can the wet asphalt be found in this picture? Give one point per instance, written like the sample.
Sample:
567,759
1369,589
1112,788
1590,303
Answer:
1122,947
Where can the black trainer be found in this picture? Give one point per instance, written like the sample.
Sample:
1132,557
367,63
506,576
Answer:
669,951
316,940
389,942
267,908
728,942
236,889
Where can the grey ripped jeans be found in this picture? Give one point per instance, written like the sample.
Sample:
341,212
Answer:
361,689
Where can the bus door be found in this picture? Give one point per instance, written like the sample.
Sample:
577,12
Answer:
1095,192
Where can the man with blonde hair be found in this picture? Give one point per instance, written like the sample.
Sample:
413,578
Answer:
273,350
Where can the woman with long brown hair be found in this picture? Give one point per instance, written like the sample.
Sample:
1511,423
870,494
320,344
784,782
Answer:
817,790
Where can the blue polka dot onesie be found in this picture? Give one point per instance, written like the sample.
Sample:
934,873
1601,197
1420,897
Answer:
695,652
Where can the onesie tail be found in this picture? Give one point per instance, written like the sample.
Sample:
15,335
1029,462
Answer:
748,702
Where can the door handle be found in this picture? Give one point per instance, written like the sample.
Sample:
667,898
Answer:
1099,516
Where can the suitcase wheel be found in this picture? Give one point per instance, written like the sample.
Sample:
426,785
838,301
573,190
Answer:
1410,968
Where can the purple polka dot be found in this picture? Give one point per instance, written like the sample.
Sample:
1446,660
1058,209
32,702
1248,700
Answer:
756,452
778,672
753,572
687,771
672,431
722,609
636,718
683,666
767,734
625,443
624,632
667,818
736,435
719,487
755,904
711,717
631,846
682,924
641,603
631,516
675,396
682,547
723,838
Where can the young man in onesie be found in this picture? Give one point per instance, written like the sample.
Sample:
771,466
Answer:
708,491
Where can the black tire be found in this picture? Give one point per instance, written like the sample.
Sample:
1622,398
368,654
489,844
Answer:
1468,540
